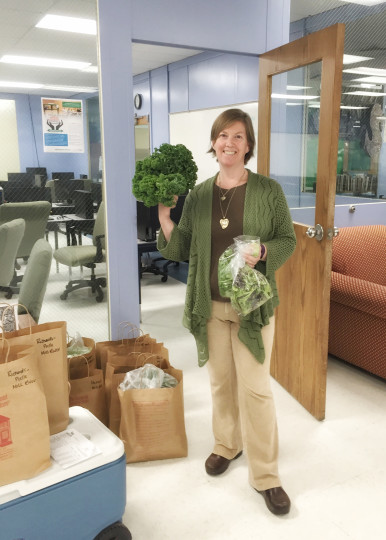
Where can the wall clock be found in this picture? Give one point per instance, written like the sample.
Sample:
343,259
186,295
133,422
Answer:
138,101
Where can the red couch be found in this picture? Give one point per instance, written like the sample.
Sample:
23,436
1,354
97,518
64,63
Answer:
358,298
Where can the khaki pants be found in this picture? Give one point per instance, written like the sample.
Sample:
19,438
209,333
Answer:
244,416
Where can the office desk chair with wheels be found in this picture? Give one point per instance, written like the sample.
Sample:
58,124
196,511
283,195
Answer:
34,283
35,215
86,255
11,235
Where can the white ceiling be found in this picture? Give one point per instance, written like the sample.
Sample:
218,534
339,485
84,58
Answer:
18,36
301,9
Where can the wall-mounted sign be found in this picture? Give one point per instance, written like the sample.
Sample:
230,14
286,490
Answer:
62,125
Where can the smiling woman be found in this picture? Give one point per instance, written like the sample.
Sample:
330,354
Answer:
237,351
185,126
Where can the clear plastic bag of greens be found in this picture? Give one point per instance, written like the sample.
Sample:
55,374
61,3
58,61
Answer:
147,376
76,347
246,287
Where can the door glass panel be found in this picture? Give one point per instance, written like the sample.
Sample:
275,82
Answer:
295,107
142,139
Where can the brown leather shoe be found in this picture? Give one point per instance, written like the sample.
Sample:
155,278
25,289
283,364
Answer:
276,500
216,464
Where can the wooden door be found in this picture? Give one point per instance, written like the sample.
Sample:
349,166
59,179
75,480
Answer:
299,361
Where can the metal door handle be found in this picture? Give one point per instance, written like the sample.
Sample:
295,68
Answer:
315,232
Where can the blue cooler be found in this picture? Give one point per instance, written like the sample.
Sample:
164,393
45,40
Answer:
84,501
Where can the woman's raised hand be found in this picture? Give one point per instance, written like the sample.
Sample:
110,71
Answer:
166,223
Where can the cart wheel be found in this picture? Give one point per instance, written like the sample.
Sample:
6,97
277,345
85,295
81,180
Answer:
116,531
63,296
164,278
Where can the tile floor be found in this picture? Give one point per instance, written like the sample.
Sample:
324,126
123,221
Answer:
334,471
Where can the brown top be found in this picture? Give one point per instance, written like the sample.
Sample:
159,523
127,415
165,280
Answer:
222,238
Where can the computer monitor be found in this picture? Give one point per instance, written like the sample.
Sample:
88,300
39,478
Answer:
37,170
83,204
21,179
62,193
63,175
147,219
96,190
14,193
72,186
147,222
64,189
40,175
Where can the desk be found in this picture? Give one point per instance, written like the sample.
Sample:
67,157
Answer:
74,224
58,209
78,225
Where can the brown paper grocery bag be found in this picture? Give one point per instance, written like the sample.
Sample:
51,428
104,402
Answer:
89,392
126,332
24,429
116,368
137,344
152,422
50,339
125,357
77,365
116,376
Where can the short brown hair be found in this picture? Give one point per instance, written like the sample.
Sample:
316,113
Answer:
224,120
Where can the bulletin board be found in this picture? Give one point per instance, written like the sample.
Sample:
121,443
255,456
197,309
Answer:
193,130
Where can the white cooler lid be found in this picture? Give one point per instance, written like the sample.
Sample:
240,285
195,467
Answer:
109,446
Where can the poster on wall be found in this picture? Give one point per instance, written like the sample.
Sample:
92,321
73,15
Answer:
62,125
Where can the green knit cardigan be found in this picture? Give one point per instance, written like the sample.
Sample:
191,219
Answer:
266,215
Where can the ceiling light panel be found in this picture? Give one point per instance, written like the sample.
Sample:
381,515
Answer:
375,80
353,59
377,72
13,84
292,96
364,93
74,89
364,2
44,62
68,24
353,107
293,87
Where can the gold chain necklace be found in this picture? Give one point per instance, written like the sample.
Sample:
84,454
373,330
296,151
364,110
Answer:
224,221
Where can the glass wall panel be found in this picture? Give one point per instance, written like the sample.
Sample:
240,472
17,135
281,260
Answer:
362,153
50,155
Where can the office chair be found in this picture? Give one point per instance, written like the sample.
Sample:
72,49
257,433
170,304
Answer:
89,256
34,283
35,215
11,234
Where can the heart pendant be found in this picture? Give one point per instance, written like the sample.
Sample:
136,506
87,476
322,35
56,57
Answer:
224,223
